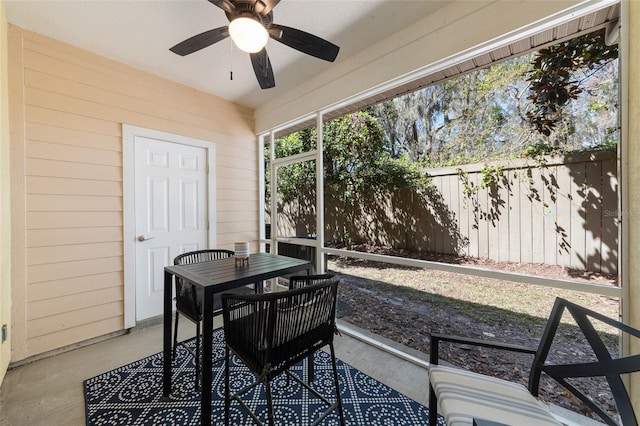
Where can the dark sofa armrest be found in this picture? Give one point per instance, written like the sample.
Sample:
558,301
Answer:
436,338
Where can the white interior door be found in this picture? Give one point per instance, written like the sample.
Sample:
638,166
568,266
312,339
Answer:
170,213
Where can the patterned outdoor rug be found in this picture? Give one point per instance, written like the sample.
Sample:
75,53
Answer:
132,395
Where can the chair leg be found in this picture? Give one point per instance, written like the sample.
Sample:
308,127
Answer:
310,368
197,360
335,378
227,392
433,407
267,388
175,336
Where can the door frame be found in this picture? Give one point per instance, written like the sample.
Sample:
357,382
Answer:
128,203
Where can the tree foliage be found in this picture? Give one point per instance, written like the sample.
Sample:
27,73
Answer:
501,111
355,158
558,74
562,98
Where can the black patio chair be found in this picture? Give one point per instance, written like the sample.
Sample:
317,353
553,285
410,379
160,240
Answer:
299,281
189,299
271,332
462,395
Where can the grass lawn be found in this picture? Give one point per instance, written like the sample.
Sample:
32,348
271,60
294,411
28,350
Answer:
482,299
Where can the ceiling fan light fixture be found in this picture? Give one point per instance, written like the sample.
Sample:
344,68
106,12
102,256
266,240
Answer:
248,34
250,26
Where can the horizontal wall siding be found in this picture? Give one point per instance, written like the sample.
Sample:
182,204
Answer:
75,104
5,198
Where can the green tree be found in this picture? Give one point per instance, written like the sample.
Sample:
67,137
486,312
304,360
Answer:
559,74
482,119
356,158
563,98
356,161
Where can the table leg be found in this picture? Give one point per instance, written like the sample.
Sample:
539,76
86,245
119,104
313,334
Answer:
310,368
207,345
166,340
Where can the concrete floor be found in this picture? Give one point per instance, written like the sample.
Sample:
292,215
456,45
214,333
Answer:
49,391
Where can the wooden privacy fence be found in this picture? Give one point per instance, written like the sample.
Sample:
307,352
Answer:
559,211
563,213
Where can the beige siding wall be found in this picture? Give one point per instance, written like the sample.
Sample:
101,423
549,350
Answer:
631,242
71,105
5,218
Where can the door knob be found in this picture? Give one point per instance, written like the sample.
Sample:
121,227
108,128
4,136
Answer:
142,238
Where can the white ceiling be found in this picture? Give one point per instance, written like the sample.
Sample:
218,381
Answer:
139,33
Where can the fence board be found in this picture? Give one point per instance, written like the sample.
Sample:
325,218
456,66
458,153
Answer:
416,239
464,224
481,209
577,217
492,212
513,216
502,220
593,217
438,238
533,192
474,221
546,216
567,205
609,227
446,233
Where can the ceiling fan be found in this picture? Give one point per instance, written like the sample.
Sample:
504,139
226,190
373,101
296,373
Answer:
250,26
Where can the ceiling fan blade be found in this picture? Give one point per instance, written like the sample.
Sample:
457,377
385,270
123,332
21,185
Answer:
262,68
200,41
304,42
265,6
225,5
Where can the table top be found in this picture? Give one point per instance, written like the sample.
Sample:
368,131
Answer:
225,274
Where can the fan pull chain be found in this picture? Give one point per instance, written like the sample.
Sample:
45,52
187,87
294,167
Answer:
231,60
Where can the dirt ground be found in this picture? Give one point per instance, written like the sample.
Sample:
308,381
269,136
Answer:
409,317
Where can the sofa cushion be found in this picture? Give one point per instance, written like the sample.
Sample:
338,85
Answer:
463,395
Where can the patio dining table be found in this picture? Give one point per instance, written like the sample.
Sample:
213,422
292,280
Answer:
217,276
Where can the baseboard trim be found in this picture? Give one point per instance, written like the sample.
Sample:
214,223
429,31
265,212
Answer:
67,348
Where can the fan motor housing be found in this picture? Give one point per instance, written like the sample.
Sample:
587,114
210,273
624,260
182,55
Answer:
248,9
